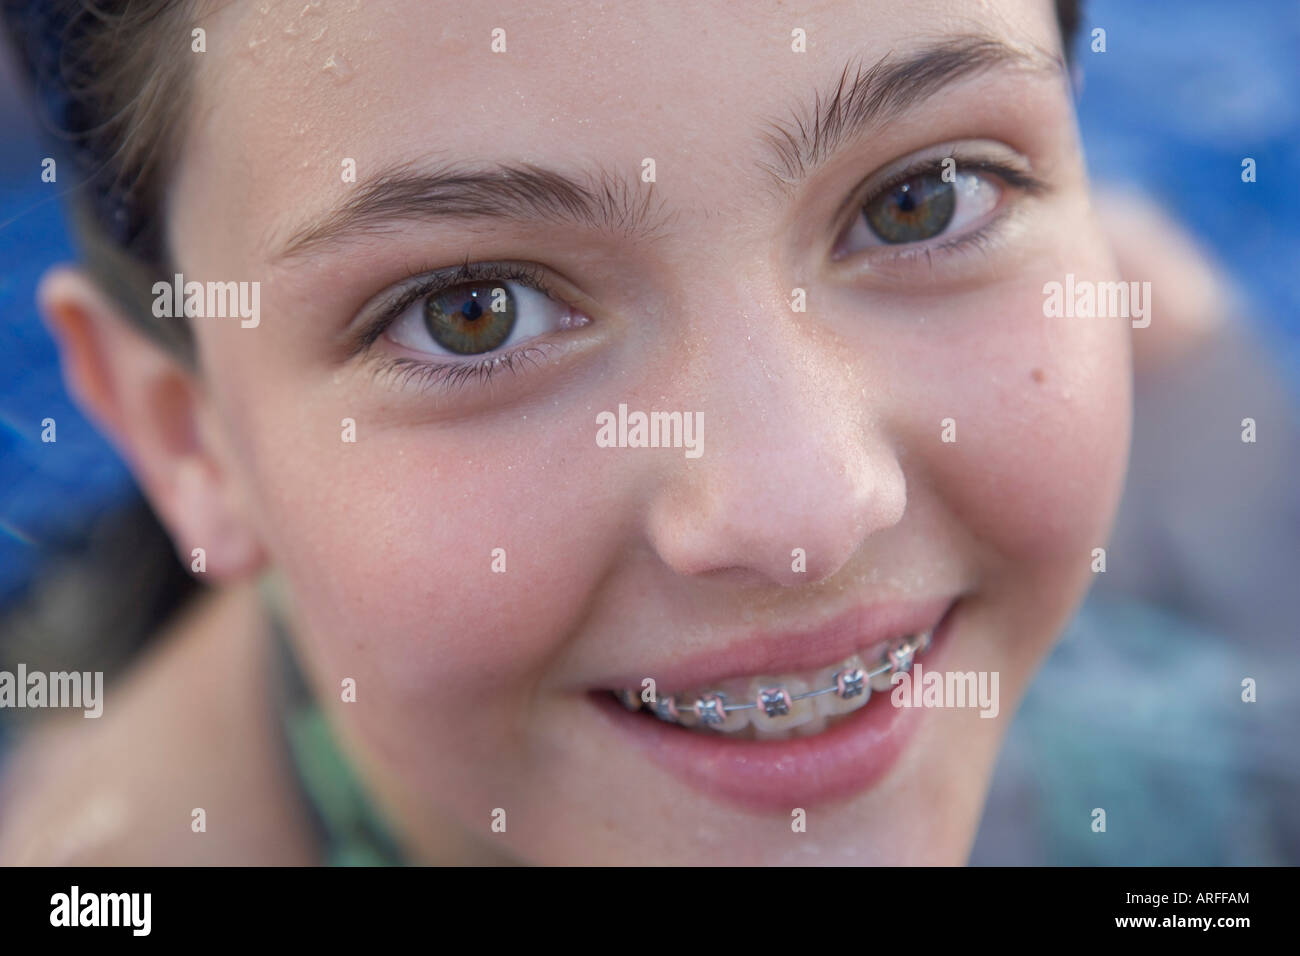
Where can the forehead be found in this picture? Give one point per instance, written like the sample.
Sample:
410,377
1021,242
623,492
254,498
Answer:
287,91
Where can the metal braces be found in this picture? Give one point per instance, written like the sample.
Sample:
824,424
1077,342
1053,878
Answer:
712,708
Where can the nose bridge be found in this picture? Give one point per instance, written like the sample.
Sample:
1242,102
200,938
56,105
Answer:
794,473
750,351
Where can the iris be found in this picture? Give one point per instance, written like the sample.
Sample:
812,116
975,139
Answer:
914,210
471,318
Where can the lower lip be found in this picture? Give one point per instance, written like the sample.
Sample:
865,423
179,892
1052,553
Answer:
778,775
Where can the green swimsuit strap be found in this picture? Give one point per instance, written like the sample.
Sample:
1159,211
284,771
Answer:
350,831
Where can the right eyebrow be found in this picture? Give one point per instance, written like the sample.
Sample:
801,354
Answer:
520,191
604,202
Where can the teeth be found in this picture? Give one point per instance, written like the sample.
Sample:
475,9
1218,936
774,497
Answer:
814,726
882,681
800,712
709,710
774,701
667,709
898,656
852,689
775,713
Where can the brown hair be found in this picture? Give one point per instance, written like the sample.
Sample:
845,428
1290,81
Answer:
113,82
110,79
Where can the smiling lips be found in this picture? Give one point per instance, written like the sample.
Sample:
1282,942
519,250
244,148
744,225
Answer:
804,736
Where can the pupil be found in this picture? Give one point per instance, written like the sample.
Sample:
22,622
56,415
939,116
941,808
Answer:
906,201
471,310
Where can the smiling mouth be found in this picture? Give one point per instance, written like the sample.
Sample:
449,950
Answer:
762,707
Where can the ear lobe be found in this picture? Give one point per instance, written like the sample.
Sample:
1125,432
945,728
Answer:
150,405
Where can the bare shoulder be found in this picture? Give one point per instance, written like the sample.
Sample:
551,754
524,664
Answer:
190,728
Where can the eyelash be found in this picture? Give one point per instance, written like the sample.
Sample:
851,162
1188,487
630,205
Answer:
423,374
1009,174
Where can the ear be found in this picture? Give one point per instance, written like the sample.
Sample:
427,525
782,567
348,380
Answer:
153,408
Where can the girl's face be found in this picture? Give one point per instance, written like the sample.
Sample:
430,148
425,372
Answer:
682,217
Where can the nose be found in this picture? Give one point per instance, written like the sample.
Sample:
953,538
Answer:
796,471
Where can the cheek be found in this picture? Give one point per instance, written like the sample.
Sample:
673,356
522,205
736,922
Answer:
444,560
1042,414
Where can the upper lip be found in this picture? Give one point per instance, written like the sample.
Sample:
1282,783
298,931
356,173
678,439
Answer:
780,652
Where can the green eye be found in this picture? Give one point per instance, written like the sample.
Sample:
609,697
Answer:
914,210
462,319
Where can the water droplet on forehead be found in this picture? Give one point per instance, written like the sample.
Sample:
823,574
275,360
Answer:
338,67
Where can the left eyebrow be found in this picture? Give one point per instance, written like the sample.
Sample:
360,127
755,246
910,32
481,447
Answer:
855,106
607,203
